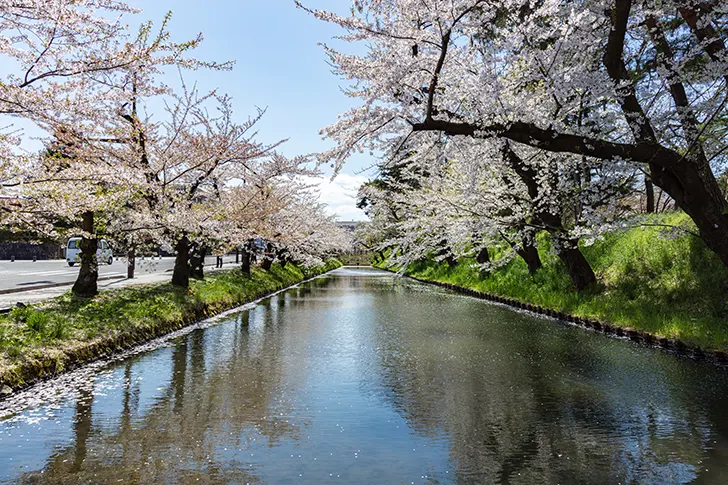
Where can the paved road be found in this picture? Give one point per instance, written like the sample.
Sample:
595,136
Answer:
26,274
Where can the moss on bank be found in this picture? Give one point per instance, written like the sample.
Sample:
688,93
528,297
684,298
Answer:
43,340
671,287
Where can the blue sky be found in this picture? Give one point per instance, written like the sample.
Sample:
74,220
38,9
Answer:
279,66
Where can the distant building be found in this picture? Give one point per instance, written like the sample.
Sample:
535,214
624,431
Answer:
22,245
348,225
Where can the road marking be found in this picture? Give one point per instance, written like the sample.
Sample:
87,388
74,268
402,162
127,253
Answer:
49,273
62,272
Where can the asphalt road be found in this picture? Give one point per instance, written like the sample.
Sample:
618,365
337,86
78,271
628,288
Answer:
26,274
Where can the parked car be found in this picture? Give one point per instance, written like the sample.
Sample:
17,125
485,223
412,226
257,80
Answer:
104,254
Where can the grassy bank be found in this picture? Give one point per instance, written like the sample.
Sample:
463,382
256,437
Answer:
46,339
671,287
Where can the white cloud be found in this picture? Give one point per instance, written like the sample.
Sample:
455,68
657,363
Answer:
339,195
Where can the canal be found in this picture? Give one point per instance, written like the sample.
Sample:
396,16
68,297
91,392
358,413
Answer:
361,378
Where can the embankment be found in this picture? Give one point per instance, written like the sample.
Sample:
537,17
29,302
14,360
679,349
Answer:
41,341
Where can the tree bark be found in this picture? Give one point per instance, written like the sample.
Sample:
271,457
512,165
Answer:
698,194
268,257
687,178
650,196
197,263
181,274
443,251
705,31
283,257
245,267
691,181
579,269
247,255
529,253
86,284
483,256
130,263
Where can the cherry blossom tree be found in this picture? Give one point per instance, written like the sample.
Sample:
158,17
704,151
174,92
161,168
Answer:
203,178
457,197
49,50
303,233
188,175
611,80
80,71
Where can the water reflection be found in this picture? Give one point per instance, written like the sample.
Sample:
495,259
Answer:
356,378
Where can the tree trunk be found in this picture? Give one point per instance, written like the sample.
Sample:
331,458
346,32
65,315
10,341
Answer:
283,258
181,274
579,269
529,253
483,256
130,263
248,255
268,257
698,194
246,262
650,195
252,251
687,178
690,180
86,284
197,262
443,251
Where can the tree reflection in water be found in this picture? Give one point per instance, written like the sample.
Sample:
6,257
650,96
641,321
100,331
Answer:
356,379
194,428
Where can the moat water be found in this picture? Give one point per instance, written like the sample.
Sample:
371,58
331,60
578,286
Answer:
359,377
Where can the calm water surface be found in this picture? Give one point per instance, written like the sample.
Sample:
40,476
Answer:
361,378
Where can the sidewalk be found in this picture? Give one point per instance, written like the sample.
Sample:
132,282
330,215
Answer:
38,295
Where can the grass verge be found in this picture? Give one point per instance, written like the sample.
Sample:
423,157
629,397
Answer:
43,340
671,287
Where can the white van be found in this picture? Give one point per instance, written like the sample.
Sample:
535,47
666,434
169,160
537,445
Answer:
73,252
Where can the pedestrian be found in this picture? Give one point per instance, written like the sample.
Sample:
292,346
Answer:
218,263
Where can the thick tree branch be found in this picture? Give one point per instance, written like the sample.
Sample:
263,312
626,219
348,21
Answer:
551,140
617,70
